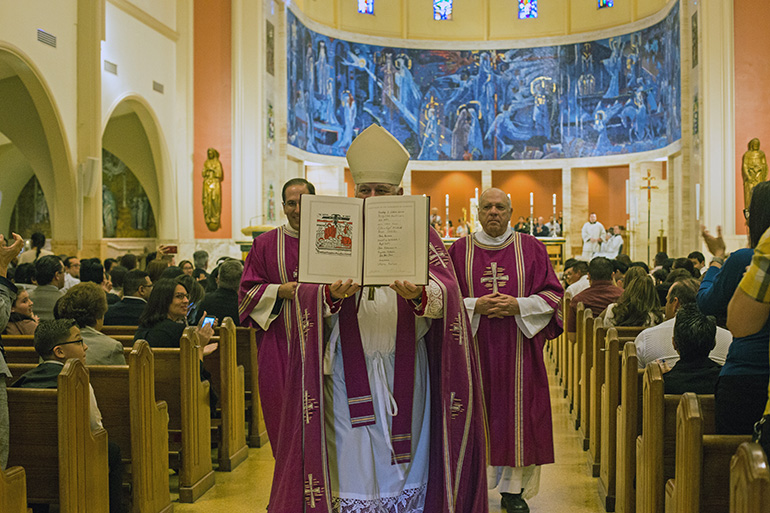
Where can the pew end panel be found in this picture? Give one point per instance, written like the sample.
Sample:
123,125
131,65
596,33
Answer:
749,480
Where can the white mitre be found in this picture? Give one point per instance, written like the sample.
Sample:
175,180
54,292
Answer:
375,156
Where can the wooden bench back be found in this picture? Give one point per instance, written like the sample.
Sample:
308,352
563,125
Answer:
18,340
50,436
656,445
596,380
13,490
143,434
574,358
563,346
178,383
629,427
585,348
749,480
701,480
119,330
610,397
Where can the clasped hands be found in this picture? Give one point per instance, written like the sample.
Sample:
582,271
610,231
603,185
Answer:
497,306
405,289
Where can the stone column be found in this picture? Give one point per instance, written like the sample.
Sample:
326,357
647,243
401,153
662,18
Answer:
577,195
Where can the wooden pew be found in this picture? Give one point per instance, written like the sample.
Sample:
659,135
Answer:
51,437
596,381
112,331
178,383
227,377
610,397
749,480
21,355
18,340
656,445
586,360
143,434
13,490
246,342
701,481
574,360
561,365
629,425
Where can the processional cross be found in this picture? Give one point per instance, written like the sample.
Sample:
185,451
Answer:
649,178
494,277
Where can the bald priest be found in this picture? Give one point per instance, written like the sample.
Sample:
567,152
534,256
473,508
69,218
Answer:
512,296
391,415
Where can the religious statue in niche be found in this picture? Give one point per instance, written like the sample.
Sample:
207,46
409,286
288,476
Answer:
753,169
109,212
212,190
126,209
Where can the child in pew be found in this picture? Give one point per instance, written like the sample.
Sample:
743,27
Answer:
694,338
22,320
56,342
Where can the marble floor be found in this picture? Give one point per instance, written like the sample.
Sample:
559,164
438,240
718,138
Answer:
566,485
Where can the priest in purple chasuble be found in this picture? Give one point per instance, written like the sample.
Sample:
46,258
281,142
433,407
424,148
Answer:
512,297
391,419
266,292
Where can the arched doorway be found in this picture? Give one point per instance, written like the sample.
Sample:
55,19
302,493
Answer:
33,143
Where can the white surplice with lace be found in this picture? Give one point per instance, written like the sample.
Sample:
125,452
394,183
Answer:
363,479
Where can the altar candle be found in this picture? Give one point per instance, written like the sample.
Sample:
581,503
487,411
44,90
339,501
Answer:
697,202
554,207
446,221
531,212
509,200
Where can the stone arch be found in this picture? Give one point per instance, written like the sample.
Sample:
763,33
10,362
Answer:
34,142
132,133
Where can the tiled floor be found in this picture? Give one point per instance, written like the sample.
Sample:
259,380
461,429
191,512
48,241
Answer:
566,485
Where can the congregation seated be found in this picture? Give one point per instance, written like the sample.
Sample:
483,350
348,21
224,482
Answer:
136,290
687,265
155,268
187,267
72,272
129,261
671,277
36,251
638,305
49,273
600,294
742,388
22,320
196,293
620,269
698,262
654,344
171,272
56,342
86,303
24,276
223,302
694,338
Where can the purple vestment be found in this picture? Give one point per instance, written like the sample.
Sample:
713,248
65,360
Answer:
457,479
515,384
273,260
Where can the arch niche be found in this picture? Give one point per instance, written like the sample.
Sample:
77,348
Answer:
33,142
132,135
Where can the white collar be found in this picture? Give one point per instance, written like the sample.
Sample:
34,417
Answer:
291,231
135,297
488,240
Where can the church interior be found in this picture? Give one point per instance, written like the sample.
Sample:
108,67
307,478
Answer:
127,125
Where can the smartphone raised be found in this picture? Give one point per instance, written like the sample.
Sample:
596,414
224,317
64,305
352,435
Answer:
208,321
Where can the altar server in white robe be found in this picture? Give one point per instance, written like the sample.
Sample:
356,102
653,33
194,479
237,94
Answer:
593,233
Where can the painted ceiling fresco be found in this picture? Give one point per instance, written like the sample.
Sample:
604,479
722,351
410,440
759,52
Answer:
594,98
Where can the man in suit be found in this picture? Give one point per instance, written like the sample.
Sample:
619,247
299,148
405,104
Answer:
49,272
136,290
223,302
694,337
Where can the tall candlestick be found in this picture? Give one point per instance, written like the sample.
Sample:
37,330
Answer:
509,202
531,212
554,207
446,222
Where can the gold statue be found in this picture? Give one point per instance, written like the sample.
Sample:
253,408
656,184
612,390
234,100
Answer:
212,190
753,169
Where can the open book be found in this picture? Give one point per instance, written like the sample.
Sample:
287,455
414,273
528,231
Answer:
373,241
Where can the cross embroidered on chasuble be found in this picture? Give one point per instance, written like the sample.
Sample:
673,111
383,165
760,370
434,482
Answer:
456,405
306,323
457,329
438,257
309,407
313,491
492,280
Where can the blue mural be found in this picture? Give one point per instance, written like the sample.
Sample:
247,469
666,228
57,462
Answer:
607,97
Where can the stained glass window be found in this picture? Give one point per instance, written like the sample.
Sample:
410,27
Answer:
527,9
366,6
606,3
442,9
